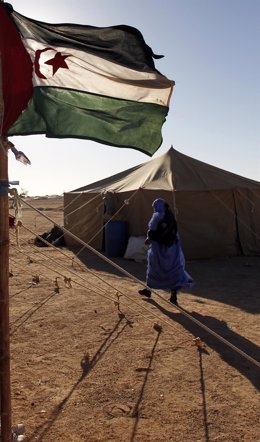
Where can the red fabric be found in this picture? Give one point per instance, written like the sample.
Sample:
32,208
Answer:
16,71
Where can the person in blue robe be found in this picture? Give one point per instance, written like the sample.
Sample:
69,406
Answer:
165,258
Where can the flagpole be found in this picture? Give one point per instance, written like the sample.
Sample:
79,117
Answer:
5,378
5,375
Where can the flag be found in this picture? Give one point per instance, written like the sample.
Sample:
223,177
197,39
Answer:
94,83
15,89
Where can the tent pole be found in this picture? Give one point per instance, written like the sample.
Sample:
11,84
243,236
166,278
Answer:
5,376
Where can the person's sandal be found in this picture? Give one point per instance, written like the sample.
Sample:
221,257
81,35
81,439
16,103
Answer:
145,292
173,298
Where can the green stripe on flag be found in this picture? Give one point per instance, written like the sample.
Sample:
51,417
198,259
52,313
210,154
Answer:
62,113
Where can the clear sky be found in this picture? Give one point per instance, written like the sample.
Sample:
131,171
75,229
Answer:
211,50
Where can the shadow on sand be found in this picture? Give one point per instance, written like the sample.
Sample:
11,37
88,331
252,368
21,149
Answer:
247,368
233,281
87,364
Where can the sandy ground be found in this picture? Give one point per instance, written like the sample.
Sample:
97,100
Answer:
91,360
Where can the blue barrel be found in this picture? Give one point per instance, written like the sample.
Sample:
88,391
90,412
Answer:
115,238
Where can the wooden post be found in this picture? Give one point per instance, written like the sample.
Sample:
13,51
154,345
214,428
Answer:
5,377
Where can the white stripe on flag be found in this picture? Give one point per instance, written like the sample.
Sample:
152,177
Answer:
90,73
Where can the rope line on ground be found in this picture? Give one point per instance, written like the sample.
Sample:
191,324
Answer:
180,309
114,300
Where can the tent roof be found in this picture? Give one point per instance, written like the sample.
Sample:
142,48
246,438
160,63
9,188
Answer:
171,171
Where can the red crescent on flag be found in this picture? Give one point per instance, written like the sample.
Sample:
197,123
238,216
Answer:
36,61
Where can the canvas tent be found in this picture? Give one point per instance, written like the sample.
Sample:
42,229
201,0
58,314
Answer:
218,212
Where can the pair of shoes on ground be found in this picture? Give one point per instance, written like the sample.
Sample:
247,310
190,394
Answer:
148,294
145,292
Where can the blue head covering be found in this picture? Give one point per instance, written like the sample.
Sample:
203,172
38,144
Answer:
159,206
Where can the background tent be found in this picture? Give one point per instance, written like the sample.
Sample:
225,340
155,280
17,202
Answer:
218,212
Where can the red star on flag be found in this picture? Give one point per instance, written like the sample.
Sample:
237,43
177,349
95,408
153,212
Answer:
57,62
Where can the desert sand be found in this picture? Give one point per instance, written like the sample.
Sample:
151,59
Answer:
93,361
